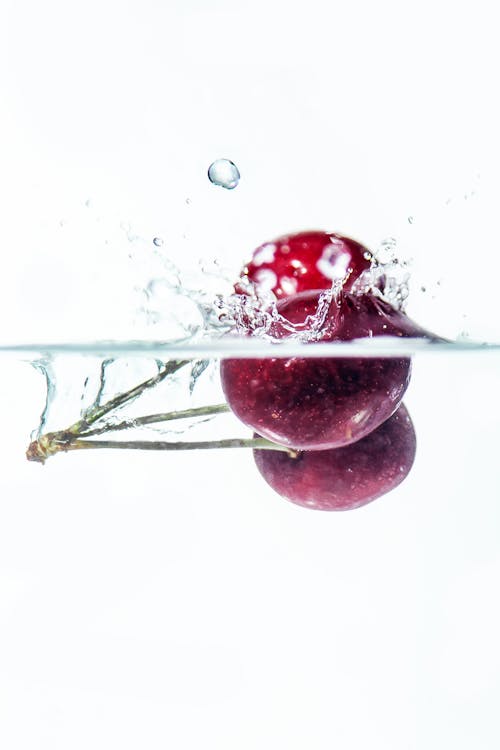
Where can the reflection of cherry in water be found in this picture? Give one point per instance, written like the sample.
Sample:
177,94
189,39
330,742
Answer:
307,260
344,478
320,403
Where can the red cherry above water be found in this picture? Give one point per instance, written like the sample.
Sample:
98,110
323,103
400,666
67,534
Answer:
321,403
344,478
307,260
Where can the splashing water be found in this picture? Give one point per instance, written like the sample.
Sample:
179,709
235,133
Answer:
255,310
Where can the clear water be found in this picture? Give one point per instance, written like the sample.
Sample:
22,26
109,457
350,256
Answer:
179,582
181,579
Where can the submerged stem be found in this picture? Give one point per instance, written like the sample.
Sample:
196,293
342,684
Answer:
57,442
200,411
99,411
259,443
75,436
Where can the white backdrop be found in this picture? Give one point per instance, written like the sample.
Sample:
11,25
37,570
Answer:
177,602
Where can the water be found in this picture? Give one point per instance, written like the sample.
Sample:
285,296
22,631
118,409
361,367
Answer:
119,556
224,173
179,581
150,583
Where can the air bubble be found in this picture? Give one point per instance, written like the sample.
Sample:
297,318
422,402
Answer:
224,173
158,241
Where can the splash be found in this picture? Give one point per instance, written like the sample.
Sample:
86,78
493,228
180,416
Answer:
254,309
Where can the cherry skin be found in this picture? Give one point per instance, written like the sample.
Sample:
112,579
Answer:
321,403
344,478
308,260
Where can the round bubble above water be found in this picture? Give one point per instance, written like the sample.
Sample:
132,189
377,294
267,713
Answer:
224,173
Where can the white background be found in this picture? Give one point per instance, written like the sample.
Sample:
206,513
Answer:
177,602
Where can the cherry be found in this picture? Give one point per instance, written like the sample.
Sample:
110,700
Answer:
320,403
307,260
344,478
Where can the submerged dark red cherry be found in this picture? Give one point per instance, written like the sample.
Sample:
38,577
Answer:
308,260
327,402
344,478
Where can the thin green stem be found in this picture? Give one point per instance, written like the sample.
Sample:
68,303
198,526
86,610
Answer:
52,443
146,445
99,411
74,438
200,411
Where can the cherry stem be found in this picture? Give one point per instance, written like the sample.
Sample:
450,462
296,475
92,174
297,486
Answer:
200,411
71,439
147,445
56,442
100,410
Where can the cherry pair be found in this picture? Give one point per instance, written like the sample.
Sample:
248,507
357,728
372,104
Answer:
343,415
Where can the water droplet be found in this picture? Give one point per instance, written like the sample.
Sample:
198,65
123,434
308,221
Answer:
88,203
188,201
410,219
224,173
158,241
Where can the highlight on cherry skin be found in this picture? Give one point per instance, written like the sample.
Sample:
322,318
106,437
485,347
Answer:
298,262
344,478
321,403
